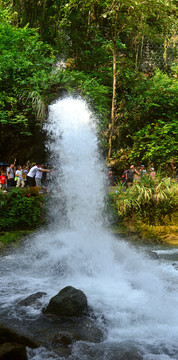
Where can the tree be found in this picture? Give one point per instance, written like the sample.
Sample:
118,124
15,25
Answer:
43,15
157,140
129,22
111,50
25,72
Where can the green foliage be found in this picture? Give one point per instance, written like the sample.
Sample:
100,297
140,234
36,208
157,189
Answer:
84,34
89,87
147,121
149,201
25,65
20,208
157,141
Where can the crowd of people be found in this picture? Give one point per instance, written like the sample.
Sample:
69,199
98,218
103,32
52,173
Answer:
21,176
133,174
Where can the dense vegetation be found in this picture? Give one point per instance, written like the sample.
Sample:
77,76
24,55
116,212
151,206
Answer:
120,55
150,201
148,209
21,209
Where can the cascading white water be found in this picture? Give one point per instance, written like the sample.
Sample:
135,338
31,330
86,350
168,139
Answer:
137,296
71,128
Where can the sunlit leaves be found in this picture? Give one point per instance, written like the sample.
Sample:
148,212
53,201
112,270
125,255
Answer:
150,201
25,65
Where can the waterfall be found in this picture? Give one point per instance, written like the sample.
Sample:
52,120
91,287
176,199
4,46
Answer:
74,148
136,295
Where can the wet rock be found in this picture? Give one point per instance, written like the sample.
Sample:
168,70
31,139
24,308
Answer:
77,328
32,299
88,330
68,302
152,254
123,351
10,351
61,344
175,266
63,339
8,335
13,345
71,330
57,330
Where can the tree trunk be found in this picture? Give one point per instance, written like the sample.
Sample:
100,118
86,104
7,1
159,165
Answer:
114,103
165,52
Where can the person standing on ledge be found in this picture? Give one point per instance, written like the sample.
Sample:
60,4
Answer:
10,175
130,175
143,171
32,173
38,177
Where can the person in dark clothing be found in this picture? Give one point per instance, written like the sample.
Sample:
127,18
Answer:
111,180
123,178
10,175
130,175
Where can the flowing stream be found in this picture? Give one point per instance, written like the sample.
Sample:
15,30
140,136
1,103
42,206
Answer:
136,295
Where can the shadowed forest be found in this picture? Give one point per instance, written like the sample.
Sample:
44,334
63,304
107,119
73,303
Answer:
119,55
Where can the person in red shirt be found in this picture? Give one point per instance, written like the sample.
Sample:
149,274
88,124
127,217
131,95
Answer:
3,181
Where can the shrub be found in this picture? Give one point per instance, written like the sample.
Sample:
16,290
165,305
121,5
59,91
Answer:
149,201
21,208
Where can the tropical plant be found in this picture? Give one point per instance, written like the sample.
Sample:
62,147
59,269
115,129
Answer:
149,201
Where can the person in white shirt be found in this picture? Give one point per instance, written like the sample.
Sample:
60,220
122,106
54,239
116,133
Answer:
32,173
18,177
38,176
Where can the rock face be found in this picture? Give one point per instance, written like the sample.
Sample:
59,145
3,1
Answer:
68,302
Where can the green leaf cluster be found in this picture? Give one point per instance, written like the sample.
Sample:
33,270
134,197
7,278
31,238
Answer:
25,65
155,131
20,209
147,128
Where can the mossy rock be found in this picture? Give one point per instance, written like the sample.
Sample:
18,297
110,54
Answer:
68,302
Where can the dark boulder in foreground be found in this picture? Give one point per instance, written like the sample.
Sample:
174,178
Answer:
10,335
13,345
68,302
10,351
